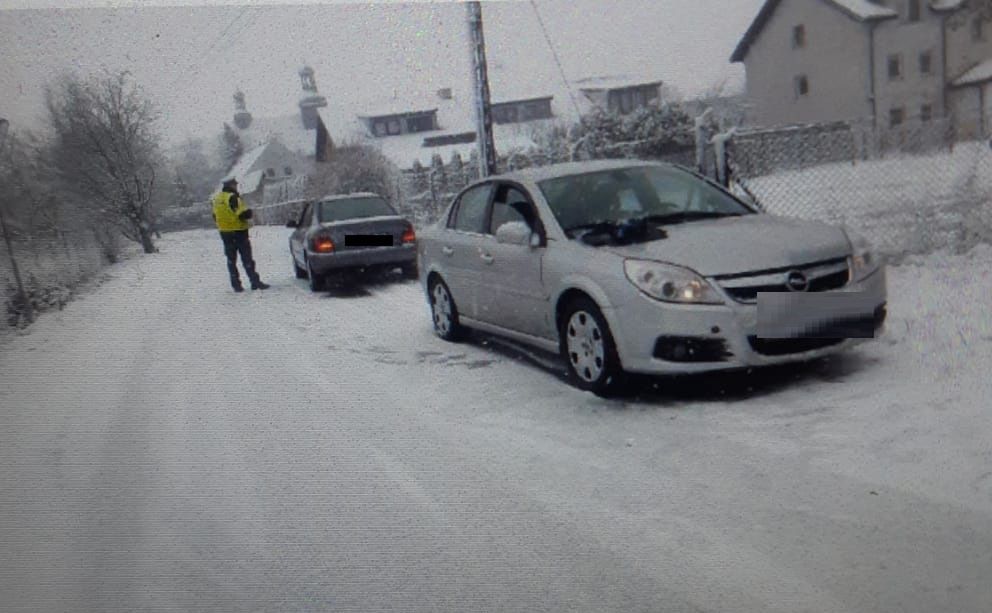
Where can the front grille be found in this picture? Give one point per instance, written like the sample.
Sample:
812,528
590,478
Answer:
786,346
691,349
822,276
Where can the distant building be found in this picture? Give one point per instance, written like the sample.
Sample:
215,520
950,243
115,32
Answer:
268,171
891,61
620,94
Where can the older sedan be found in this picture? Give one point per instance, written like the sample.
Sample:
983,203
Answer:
350,232
626,266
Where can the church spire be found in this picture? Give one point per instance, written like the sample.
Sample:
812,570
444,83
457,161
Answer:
242,118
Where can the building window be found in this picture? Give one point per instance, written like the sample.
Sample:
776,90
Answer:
926,62
802,86
270,172
420,123
895,67
977,29
926,112
379,128
393,127
913,11
799,37
896,116
287,170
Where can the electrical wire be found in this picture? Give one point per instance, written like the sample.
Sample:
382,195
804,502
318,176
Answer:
554,53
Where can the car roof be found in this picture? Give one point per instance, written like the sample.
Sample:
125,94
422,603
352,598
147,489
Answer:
565,169
332,197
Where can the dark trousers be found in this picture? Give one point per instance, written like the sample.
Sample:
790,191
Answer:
234,243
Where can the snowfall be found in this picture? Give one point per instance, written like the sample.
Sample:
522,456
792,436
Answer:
169,445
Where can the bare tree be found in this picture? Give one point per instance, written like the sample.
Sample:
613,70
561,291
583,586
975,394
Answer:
106,150
356,167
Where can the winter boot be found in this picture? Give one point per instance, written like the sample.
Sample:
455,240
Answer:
260,285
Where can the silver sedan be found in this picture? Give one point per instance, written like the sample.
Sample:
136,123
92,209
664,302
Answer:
642,267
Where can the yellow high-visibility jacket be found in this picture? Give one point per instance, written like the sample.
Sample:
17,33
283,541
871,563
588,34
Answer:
227,219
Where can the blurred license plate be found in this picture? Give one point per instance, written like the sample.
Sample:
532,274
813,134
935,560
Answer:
815,315
368,240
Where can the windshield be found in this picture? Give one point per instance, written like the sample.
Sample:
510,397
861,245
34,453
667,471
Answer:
656,193
353,208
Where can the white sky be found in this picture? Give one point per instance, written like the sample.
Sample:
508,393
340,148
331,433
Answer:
190,57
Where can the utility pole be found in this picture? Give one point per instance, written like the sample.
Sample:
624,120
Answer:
28,311
483,108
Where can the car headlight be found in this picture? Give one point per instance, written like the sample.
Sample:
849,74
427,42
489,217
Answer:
670,283
862,262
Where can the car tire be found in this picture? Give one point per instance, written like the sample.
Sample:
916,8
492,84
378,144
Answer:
444,313
301,273
316,280
588,348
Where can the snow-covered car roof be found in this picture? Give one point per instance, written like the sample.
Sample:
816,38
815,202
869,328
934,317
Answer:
332,197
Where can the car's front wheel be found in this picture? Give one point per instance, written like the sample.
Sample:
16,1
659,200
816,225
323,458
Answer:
316,280
444,312
589,350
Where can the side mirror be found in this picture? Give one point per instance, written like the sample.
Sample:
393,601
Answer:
291,223
516,233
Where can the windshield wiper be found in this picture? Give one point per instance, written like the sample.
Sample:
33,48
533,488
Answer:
595,227
684,216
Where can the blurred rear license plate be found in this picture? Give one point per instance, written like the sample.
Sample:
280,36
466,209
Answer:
368,240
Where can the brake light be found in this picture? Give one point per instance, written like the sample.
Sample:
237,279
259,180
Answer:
409,236
323,244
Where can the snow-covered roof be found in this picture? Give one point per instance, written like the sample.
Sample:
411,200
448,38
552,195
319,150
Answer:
946,5
980,73
614,82
860,10
288,129
248,179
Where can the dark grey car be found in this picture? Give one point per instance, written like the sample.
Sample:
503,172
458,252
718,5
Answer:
350,232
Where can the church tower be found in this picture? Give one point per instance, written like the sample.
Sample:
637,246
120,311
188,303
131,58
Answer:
310,100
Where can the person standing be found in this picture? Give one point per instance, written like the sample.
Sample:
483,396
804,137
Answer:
232,218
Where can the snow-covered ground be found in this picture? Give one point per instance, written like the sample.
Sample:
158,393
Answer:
166,444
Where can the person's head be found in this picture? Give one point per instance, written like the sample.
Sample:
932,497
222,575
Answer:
230,185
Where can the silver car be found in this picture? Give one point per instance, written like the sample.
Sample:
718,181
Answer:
350,232
642,267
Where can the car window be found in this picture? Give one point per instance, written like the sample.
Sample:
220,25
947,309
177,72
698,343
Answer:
342,209
471,213
510,204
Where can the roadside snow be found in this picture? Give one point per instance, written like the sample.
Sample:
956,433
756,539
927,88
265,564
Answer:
167,443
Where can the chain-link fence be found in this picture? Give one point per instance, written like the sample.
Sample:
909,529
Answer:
908,189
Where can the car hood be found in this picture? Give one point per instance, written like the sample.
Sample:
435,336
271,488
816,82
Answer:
733,245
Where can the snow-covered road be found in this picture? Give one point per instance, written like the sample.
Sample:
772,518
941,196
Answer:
168,445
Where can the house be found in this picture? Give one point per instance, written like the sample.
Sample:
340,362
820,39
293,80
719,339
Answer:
279,152
413,130
888,61
269,172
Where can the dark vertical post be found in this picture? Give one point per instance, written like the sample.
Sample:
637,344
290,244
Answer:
28,311
483,109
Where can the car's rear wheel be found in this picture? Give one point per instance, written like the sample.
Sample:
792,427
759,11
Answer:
316,280
444,312
589,350
301,273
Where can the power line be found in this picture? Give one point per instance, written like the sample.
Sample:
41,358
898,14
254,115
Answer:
554,53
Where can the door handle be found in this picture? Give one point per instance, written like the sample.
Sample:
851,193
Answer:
447,250
488,259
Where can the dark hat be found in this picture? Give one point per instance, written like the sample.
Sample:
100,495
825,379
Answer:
229,181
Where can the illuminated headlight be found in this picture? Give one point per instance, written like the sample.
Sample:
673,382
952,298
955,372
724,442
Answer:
862,262
670,283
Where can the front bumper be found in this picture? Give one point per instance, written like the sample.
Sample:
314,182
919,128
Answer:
653,337
351,259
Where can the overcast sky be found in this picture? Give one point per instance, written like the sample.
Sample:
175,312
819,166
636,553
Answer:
190,57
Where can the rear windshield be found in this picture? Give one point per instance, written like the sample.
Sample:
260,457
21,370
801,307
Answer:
353,208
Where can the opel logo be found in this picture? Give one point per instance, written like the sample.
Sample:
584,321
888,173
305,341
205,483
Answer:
796,281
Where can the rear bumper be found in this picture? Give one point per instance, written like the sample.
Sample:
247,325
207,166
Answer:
323,263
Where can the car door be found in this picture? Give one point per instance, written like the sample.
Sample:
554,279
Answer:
459,245
511,290
297,238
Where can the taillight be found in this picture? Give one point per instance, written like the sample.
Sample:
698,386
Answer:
323,244
409,236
